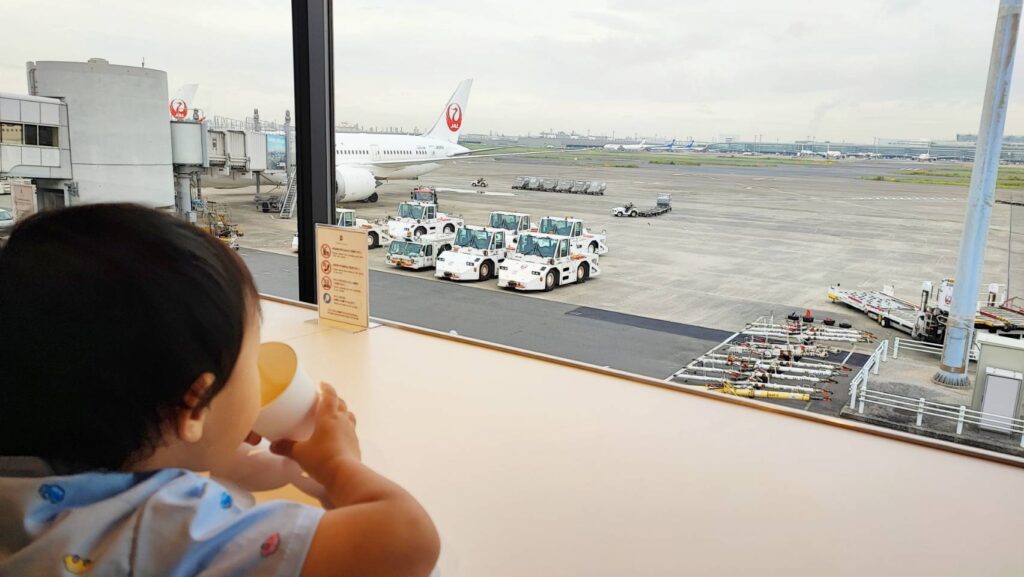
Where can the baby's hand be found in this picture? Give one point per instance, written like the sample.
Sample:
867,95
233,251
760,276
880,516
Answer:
334,439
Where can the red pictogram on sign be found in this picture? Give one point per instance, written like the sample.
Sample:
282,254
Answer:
178,108
454,117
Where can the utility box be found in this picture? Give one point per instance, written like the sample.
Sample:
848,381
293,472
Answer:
998,385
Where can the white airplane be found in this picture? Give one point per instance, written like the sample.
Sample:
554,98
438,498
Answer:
828,154
629,147
365,160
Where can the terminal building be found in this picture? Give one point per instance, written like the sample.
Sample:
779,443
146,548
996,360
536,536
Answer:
94,131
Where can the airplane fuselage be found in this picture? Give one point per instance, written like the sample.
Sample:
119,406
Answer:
373,151
362,150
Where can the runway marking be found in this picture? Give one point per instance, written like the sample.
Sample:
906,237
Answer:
477,191
944,198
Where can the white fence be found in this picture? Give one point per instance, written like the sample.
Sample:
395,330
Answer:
880,355
925,347
860,395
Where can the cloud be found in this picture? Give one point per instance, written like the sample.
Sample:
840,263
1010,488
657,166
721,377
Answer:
785,69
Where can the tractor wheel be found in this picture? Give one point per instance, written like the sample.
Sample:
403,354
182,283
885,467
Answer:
485,270
582,272
449,228
550,280
632,213
372,240
420,231
592,248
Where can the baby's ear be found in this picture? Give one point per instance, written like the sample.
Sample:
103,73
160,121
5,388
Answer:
192,419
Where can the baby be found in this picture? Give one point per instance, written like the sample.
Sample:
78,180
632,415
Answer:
128,348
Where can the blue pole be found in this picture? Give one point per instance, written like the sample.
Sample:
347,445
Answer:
960,325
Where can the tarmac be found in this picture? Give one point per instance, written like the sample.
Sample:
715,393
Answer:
740,242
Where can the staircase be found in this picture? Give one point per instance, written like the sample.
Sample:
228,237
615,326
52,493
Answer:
288,205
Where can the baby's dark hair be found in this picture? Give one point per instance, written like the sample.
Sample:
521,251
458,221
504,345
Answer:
108,314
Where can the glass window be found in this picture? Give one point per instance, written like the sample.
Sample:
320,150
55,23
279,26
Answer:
4,215
407,210
429,250
31,134
541,246
563,249
47,136
10,133
471,238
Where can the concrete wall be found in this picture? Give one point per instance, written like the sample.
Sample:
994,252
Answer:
119,129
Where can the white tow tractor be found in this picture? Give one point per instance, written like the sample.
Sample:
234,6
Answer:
545,261
375,230
514,224
476,255
417,218
581,239
418,252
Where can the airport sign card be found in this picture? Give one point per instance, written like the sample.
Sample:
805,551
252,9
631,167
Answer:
343,277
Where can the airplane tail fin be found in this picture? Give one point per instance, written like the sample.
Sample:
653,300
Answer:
450,122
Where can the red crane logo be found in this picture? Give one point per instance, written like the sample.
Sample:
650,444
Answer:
454,117
178,108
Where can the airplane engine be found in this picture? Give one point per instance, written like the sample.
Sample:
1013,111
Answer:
354,184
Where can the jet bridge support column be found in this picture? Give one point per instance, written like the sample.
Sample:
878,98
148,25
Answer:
960,326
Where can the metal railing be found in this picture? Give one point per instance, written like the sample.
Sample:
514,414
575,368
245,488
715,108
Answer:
860,394
926,347
880,355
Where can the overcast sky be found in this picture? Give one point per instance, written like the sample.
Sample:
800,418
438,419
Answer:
851,70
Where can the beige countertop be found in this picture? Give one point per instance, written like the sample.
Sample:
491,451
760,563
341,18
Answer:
530,467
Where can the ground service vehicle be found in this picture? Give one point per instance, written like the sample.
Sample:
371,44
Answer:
545,261
424,194
564,185
927,321
266,202
664,205
476,254
375,230
583,239
514,224
417,218
418,252
480,182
